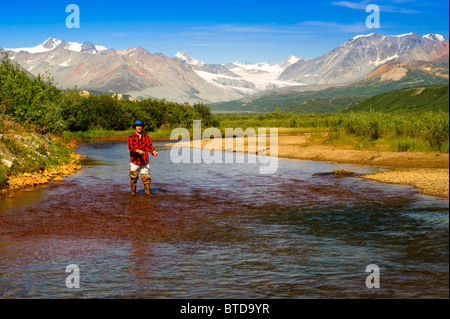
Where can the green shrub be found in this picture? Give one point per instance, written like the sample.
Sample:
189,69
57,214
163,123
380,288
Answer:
4,172
14,147
410,144
444,147
364,142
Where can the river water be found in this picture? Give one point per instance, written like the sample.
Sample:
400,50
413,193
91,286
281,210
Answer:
222,231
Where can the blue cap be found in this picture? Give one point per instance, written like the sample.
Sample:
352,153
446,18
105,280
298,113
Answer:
137,123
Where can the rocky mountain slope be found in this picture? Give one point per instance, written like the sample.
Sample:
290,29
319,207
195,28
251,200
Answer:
133,71
362,54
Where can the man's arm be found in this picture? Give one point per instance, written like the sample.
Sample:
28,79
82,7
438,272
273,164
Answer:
150,147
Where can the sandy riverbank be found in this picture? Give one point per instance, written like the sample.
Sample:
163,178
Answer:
431,181
428,172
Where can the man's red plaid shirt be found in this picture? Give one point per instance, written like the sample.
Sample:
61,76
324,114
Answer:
144,144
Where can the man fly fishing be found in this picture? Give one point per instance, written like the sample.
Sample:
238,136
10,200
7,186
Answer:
139,145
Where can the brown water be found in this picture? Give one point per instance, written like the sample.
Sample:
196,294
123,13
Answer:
222,231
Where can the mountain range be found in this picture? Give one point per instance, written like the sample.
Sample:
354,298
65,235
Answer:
181,78
364,53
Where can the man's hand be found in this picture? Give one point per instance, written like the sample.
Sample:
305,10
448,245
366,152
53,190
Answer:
155,153
140,152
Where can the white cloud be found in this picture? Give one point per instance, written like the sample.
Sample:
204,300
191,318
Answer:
384,8
351,5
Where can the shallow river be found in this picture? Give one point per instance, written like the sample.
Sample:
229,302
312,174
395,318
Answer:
222,231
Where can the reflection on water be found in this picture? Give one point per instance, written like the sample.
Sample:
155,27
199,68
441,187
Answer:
222,231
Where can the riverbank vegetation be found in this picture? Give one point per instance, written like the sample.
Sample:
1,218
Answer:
24,151
418,131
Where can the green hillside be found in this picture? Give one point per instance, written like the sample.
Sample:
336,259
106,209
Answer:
323,101
324,105
425,98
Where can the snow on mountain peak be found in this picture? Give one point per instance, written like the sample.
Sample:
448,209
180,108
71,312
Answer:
363,36
292,59
186,57
404,35
101,48
47,45
52,43
289,61
434,37
248,66
183,55
376,35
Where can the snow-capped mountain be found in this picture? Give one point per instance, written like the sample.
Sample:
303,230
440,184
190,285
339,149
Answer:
435,37
51,44
133,71
184,56
364,53
248,78
289,61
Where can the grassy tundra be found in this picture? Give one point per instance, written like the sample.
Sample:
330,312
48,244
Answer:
418,131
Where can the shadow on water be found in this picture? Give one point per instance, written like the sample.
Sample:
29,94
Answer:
223,231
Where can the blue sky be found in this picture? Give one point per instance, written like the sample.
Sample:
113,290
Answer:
218,31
